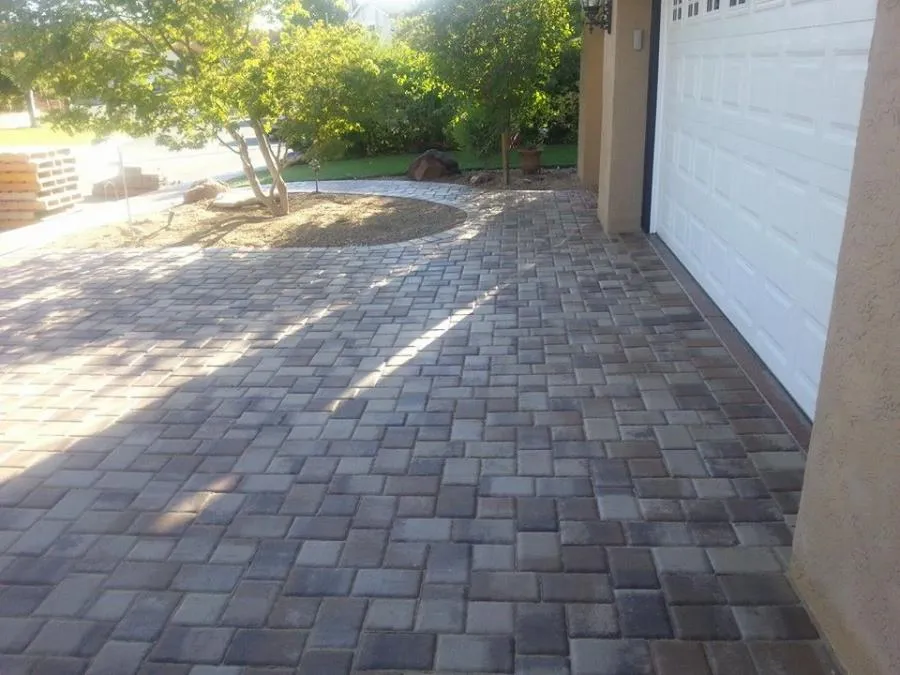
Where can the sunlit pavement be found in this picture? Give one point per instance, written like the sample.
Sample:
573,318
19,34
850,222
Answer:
510,447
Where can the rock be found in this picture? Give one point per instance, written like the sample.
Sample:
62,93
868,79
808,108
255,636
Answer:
204,189
293,157
433,164
479,178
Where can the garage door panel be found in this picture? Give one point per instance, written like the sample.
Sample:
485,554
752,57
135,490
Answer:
805,90
765,85
779,331
844,102
816,303
703,163
807,359
743,277
690,85
732,80
718,272
802,197
825,227
789,195
817,142
751,179
781,261
709,82
778,93
724,170
759,113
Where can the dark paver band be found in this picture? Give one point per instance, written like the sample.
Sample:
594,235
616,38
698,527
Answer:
512,447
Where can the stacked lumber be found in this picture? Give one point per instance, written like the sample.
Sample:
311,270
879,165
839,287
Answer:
34,183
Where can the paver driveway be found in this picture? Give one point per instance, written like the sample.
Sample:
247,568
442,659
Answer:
513,448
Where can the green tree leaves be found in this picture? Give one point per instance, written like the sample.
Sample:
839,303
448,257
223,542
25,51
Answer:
496,54
188,71
185,71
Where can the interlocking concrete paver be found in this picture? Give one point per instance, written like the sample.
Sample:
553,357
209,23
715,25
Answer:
510,447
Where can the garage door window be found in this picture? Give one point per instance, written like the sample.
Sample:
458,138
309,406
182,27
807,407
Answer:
677,9
713,5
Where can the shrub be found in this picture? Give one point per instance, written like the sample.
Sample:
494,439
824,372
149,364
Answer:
356,96
474,130
411,110
562,93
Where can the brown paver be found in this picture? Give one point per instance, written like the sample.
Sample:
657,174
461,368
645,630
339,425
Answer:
512,447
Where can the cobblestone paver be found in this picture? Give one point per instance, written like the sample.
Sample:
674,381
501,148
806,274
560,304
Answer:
512,447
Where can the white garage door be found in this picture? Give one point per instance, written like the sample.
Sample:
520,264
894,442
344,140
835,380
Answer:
759,109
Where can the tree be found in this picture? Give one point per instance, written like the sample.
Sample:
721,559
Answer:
410,107
354,94
186,71
15,65
331,70
329,12
496,54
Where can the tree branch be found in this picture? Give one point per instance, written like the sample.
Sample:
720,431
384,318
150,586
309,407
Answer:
227,145
278,184
249,171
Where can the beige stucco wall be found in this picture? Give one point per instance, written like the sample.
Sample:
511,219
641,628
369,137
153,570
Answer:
590,108
846,560
624,116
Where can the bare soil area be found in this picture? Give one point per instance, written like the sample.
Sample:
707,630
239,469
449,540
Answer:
315,220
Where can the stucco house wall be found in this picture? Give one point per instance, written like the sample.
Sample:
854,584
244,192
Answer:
846,560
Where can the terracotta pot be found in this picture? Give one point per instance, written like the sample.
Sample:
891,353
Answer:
531,160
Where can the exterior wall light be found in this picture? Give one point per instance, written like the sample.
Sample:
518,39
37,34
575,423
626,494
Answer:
598,13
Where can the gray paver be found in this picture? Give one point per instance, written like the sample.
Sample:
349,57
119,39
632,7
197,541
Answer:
490,617
200,609
396,651
387,583
15,634
592,620
475,654
610,657
192,645
119,658
441,616
672,658
265,647
387,614
541,629
261,466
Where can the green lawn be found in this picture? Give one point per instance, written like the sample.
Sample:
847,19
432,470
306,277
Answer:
396,165
41,136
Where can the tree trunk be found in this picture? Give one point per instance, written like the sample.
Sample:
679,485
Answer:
281,205
250,171
31,105
504,154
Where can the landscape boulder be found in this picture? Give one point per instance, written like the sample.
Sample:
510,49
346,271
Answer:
433,164
203,190
293,158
